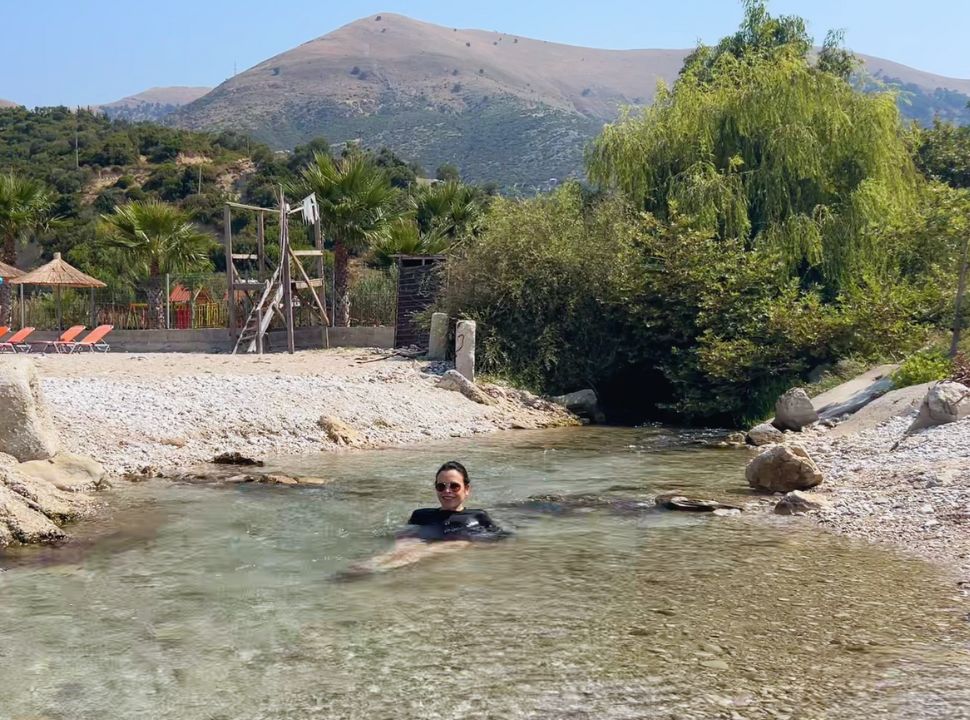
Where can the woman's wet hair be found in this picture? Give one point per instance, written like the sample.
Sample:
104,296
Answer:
454,465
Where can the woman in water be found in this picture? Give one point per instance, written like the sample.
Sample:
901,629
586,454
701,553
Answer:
452,521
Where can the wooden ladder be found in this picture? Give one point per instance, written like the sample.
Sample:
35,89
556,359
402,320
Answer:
261,315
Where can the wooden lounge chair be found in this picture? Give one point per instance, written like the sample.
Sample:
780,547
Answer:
16,342
94,340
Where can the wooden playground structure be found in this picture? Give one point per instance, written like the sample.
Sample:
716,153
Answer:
271,292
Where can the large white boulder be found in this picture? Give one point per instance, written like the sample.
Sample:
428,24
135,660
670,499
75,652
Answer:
26,430
794,410
66,471
945,402
783,468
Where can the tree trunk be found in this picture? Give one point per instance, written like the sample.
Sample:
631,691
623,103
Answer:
341,281
9,256
961,291
156,304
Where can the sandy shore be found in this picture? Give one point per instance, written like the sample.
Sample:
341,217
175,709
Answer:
158,413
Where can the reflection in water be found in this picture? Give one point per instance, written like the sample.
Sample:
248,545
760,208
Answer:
227,609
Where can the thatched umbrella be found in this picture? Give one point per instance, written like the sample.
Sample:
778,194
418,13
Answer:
59,274
9,272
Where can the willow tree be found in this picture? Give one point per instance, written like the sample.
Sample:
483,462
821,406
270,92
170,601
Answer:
758,141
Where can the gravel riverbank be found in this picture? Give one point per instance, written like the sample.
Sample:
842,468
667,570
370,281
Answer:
916,497
159,413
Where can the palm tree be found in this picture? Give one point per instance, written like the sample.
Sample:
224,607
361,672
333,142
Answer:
152,239
450,207
357,206
25,207
404,237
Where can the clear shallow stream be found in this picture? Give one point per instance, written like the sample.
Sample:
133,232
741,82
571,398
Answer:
215,602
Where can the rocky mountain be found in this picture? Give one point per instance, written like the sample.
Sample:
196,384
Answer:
7,103
502,107
153,104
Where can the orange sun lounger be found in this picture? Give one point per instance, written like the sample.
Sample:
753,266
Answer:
4,330
16,342
94,340
64,342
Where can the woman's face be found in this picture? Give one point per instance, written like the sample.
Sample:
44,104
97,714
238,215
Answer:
451,489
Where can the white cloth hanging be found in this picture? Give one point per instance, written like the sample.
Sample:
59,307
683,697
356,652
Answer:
311,212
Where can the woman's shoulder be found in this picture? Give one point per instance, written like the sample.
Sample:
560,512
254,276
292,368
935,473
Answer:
425,516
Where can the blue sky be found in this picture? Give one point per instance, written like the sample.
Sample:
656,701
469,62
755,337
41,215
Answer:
83,52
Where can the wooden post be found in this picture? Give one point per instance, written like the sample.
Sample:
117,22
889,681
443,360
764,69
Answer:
94,310
261,245
285,274
961,291
230,293
321,273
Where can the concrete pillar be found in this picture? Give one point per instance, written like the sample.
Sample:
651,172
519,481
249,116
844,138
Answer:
465,349
438,342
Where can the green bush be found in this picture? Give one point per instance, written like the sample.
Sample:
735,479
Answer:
921,368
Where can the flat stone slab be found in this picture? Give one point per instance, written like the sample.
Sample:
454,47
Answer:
855,394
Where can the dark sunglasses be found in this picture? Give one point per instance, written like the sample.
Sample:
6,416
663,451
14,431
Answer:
441,487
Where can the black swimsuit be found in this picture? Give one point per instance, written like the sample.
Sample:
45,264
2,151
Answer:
438,524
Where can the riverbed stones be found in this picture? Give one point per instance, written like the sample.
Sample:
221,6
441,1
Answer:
945,402
26,429
338,431
794,410
764,434
783,468
798,503
455,381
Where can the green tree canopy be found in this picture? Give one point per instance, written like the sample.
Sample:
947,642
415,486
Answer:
760,144
151,239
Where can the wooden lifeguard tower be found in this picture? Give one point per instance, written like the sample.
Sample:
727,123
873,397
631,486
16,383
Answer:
270,293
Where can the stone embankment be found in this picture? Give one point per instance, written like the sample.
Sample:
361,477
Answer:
897,470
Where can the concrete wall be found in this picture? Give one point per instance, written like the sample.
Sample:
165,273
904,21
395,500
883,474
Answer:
218,341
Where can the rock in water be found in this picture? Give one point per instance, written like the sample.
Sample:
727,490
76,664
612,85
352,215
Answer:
583,403
764,434
794,410
674,501
797,502
783,468
235,458
338,431
945,402
454,380
26,430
